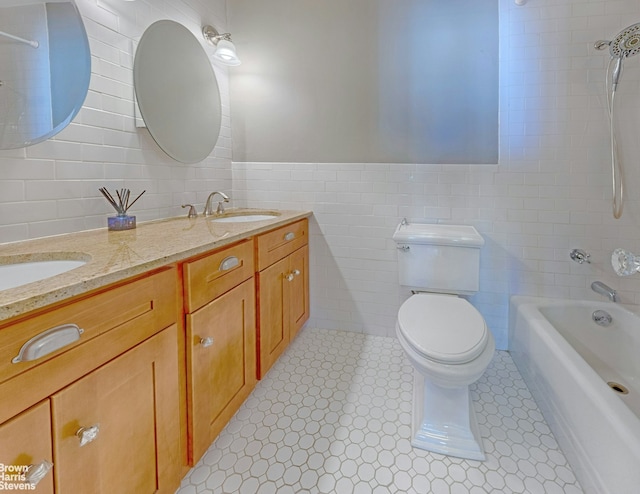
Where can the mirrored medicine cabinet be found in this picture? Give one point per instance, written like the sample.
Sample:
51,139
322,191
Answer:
177,92
45,69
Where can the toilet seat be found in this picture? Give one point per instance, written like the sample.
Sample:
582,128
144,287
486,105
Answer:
443,328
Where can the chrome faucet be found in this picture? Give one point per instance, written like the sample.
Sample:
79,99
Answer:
607,291
220,209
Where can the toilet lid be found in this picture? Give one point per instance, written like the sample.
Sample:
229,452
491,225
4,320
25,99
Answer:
443,328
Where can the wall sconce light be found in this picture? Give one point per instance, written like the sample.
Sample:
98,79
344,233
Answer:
225,49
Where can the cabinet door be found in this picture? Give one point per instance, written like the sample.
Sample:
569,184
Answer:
299,289
26,440
222,362
134,402
274,316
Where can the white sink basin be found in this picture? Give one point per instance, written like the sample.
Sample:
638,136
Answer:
20,273
243,218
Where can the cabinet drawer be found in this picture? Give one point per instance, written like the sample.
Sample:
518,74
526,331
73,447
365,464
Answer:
148,303
209,277
276,244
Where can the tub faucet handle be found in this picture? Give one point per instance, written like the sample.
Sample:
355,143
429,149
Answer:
580,256
625,263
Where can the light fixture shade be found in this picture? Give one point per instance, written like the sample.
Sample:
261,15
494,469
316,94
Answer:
226,53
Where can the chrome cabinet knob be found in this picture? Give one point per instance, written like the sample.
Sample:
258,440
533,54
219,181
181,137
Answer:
206,342
35,473
292,274
88,434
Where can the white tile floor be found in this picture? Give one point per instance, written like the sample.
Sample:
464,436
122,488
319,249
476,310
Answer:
333,416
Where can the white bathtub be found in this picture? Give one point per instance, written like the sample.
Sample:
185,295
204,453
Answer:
566,360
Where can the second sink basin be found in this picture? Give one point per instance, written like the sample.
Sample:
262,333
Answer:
16,274
244,218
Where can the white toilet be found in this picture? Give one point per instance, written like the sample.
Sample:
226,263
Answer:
444,336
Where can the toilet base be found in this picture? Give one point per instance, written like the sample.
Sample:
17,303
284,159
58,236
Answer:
444,420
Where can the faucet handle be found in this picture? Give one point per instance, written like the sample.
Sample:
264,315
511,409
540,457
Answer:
192,210
625,263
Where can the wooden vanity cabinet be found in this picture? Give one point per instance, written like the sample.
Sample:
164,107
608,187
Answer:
282,288
221,340
118,381
144,374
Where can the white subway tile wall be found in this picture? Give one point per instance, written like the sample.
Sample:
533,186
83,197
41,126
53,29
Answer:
52,187
550,192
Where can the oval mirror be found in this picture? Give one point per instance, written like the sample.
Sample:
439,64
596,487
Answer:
177,92
45,68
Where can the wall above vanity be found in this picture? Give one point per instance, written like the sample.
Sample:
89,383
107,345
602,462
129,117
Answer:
51,187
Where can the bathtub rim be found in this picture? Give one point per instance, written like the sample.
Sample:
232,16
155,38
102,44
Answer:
587,374
589,381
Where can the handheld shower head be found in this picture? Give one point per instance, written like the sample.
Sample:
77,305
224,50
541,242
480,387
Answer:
616,73
626,43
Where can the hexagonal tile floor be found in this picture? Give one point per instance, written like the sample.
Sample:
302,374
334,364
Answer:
333,416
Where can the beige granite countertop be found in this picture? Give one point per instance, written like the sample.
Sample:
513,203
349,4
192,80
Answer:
113,256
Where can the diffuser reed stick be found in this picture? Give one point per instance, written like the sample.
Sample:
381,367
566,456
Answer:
121,205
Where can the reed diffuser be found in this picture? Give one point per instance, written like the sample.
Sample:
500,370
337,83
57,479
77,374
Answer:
122,221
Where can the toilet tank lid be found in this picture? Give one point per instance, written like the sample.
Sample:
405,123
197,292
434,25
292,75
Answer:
438,234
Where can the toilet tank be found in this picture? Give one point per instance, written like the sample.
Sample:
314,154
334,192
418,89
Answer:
439,258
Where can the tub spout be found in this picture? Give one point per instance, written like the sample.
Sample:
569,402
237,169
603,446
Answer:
607,291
